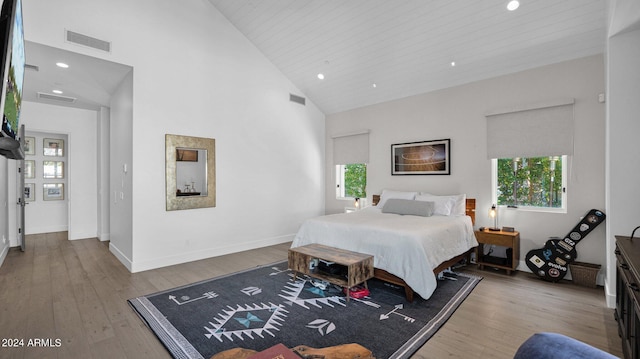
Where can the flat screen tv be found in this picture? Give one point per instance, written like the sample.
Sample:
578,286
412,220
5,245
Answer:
13,61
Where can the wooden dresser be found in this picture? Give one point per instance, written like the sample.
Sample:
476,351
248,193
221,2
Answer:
628,294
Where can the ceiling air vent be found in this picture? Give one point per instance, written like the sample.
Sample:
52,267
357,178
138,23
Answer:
297,99
47,96
89,41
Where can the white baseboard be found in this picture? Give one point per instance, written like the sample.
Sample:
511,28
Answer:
610,300
46,229
139,266
522,266
81,235
121,257
4,250
103,237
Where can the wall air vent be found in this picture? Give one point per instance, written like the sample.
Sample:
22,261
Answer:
31,67
48,96
89,41
297,99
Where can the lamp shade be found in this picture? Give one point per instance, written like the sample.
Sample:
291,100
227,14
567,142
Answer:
493,213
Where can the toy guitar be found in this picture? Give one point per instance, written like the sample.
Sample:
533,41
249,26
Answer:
552,260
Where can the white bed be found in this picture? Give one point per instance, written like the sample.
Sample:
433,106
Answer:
410,247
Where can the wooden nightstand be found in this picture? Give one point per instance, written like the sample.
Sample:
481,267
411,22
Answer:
498,238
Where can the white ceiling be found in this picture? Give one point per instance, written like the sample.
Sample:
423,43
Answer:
88,80
405,47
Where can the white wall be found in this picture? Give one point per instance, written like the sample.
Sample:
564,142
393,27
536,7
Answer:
9,200
197,75
458,113
623,153
4,210
104,123
80,127
121,148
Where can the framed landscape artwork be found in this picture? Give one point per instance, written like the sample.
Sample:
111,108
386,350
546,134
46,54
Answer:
29,192
29,169
29,145
421,158
53,147
53,191
53,169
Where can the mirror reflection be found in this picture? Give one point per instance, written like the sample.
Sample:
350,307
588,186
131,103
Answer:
190,172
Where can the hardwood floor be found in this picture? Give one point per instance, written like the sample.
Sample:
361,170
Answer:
74,294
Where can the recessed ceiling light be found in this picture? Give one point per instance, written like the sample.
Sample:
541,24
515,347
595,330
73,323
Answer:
57,92
374,85
453,63
513,5
321,76
62,64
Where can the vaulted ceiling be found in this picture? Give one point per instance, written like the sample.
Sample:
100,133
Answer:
406,47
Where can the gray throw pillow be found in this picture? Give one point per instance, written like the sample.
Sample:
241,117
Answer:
407,206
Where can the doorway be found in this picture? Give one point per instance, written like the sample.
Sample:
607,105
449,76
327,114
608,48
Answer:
46,182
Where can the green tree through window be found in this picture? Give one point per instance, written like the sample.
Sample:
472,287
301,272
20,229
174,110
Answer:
354,180
536,182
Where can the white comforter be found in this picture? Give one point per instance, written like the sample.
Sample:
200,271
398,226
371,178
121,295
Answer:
410,247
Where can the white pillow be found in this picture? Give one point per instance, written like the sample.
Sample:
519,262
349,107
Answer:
458,208
386,194
443,205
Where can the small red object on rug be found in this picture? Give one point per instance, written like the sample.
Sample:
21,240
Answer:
357,292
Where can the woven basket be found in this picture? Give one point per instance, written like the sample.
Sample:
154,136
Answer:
584,274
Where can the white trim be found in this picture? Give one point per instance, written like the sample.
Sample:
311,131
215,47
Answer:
534,209
565,184
48,229
494,181
609,296
143,265
5,251
339,181
600,279
121,256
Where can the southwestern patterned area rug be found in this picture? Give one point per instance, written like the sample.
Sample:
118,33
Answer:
261,307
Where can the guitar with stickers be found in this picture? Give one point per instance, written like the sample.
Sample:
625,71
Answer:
551,261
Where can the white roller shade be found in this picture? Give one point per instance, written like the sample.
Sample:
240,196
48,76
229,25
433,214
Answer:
351,148
539,130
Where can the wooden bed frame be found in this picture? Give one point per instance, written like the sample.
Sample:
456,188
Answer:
470,210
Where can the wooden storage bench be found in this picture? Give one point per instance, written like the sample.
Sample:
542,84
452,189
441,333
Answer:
359,266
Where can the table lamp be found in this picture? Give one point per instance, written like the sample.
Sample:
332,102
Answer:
493,213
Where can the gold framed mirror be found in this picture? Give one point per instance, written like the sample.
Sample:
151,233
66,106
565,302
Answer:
190,171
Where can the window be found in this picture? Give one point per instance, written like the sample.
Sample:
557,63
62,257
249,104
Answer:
535,182
351,180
